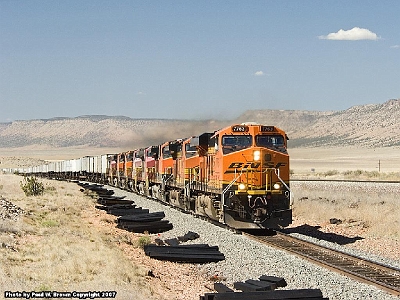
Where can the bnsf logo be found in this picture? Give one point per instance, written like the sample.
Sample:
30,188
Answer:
240,165
253,165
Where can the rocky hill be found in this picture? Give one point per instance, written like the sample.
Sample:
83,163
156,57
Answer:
374,125
98,131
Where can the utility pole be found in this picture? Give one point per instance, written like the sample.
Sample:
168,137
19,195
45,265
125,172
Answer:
379,166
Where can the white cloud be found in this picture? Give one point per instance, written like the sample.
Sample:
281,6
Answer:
141,93
259,73
354,34
395,46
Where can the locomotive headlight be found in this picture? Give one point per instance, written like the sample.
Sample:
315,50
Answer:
257,155
277,186
242,186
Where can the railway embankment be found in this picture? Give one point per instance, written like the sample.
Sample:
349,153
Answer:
81,247
245,258
367,212
60,242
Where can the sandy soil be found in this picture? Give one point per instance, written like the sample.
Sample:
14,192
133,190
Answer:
61,242
167,280
353,236
302,160
316,160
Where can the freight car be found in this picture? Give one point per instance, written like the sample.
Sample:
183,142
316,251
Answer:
238,175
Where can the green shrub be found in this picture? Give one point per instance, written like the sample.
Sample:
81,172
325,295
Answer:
143,241
32,187
373,174
331,173
50,223
43,288
358,172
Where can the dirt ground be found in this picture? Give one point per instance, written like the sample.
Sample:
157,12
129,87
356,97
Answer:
317,160
302,160
60,244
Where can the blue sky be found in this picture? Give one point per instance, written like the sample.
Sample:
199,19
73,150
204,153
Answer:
194,59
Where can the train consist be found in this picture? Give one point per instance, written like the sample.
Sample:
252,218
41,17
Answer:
238,175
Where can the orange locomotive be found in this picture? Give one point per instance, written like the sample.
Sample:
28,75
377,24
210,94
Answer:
250,172
238,175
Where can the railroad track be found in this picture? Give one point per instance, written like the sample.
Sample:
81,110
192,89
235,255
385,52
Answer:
381,276
363,270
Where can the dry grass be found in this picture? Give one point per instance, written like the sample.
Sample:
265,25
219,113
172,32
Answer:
53,247
358,174
58,248
375,212
318,160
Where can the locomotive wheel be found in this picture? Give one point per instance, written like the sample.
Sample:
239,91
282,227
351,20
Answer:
141,188
204,207
174,198
130,185
201,205
155,192
163,195
122,184
115,182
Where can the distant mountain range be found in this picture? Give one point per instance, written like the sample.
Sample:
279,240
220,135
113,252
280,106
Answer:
372,125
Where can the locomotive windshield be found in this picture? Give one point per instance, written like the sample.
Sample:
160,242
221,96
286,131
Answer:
232,143
271,141
152,152
166,153
190,150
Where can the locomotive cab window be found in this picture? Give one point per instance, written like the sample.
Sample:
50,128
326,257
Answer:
271,141
139,154
166,153
152,152
190,151
232,143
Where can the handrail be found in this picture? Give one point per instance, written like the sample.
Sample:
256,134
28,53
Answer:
276,171
187,185
225,190
166,180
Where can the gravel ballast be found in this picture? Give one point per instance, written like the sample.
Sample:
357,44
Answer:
248,259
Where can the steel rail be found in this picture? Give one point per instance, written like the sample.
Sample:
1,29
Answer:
363,270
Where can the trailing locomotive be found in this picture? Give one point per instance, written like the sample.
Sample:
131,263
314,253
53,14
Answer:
238,175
